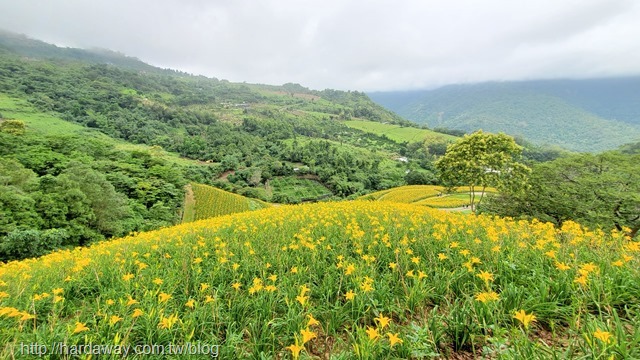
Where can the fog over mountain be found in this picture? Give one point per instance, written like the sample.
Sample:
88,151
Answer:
357,45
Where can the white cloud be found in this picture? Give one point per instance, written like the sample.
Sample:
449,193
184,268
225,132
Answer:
359,45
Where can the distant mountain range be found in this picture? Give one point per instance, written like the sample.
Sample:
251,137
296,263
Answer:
579,115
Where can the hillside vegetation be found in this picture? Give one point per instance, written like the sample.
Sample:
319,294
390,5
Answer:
350,279
64,185
48,124
229,127
210,202
579,115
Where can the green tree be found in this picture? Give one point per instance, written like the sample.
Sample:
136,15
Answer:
596,190
108,206
420,177
20,244
12,173
481,160
13,127
17,208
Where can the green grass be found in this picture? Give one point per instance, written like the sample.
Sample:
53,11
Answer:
37,121
298,188
398,133
189,208
156,151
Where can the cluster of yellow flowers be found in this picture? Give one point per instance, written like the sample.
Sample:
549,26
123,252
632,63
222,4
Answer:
344,263
410,194
15,313
306,334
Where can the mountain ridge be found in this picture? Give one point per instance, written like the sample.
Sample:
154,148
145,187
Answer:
37,49
580,115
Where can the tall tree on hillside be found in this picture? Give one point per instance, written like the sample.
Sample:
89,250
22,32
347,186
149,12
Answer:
481,160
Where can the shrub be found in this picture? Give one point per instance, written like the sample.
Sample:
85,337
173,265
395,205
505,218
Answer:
20,244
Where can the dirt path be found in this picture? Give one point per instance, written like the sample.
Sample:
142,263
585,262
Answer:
268,189
478,194
454,209
189,207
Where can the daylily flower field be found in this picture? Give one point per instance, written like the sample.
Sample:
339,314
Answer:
347,280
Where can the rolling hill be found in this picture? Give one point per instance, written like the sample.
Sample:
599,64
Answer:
579,115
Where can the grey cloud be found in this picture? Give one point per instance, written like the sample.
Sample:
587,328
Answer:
359,45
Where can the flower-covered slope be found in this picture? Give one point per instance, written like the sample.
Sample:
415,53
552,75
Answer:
361,279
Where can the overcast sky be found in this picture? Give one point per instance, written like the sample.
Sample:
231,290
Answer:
350,45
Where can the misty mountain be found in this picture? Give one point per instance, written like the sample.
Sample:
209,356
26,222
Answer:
31,48
580,115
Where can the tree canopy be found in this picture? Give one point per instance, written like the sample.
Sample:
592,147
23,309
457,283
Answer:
481,160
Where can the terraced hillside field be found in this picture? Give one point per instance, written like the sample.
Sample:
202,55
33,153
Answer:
427,195
208,202
348,280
